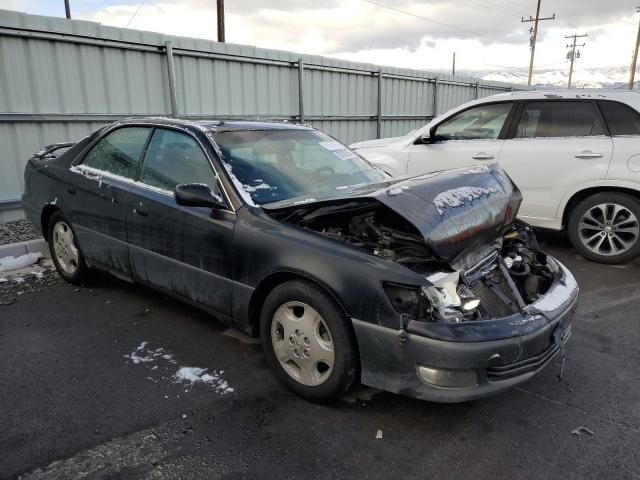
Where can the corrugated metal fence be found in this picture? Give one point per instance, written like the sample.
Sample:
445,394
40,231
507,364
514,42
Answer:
61,79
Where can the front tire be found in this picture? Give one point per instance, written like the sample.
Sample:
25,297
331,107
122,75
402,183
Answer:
605,227
65,253
308,341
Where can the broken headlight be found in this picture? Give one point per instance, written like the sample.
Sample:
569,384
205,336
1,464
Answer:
451,301
408,300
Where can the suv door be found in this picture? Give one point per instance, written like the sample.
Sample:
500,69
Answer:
104,176
470,137
623,122
555,146
184,250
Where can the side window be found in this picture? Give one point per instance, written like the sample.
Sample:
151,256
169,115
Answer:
173,158
559,119
479,123
119,152
621,118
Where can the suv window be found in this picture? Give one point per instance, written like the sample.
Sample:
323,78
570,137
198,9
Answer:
621,118
559,119
478,123
173,158
119,152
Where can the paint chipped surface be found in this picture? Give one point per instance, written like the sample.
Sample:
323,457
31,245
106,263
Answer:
457,197
476,170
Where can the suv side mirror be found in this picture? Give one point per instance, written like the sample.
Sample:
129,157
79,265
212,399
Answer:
197,195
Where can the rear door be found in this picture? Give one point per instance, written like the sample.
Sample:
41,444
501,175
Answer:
556,146
103,179
185,250
624,125
470,137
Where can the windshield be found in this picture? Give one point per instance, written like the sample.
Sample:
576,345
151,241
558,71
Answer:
277,165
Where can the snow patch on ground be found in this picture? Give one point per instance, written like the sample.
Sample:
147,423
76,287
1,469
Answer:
17,263
457,197
200,375
143,354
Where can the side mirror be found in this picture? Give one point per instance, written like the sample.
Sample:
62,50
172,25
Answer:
427,137
197,195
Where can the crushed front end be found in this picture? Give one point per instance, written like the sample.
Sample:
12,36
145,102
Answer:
487,309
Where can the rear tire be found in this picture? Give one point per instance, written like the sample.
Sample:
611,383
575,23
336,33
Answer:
605,227
308,341
65,252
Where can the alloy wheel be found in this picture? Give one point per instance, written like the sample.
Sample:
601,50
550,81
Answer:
608,229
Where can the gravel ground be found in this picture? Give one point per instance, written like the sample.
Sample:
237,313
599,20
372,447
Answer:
39,276
18,231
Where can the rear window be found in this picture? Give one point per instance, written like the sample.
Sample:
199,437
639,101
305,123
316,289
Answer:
559,119
621,118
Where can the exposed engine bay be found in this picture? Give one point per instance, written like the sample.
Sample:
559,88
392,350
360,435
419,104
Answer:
512,276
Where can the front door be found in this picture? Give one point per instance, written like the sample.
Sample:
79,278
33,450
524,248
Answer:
557,146
185,250
470,137
104,178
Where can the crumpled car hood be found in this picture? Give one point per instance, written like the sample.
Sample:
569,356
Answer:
460,213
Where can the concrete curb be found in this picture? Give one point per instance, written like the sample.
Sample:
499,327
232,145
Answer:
39,245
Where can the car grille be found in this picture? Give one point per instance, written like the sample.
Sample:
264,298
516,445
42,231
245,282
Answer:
527,365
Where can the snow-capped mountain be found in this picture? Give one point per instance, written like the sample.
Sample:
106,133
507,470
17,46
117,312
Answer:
607,77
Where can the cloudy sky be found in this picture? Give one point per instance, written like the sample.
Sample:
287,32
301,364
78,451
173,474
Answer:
486,34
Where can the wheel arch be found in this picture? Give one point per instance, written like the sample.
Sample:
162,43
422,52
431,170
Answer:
47,212
579,196
275,279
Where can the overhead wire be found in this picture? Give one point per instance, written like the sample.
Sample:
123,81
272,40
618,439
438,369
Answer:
135,13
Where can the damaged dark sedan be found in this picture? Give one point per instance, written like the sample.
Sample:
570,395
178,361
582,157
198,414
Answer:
425,286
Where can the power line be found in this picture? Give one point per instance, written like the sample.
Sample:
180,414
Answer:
534,35
500,7
135,13
455,27
572,54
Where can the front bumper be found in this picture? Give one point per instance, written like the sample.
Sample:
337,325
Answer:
479,358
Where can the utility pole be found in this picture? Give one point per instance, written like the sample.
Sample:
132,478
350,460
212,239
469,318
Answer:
635,57
67,8
534,35
572,54
221,21
453,67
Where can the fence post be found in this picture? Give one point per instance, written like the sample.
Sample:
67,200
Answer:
301,90
475,94
172,79
436,81
379,119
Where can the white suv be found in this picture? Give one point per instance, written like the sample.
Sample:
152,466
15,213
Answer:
574,154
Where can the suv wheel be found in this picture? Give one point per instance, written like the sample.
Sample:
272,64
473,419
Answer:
605,227
308,341
65,253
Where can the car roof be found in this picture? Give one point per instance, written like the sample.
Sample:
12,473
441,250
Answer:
628,97
217,125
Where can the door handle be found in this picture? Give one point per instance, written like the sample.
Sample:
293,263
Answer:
140,210
586,154
483,156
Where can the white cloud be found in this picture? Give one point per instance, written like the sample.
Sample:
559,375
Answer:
359,31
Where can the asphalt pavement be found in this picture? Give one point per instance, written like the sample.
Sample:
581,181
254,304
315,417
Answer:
93,382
